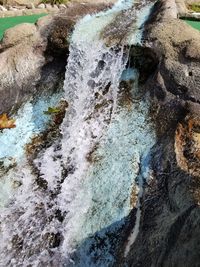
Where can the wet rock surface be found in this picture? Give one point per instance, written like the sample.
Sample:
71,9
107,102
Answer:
169,229
169,234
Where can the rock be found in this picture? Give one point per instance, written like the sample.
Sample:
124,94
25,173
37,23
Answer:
9,13
33,57
62,6
22,7
57,38
187,145
43,22
106,2
192,50
145,60
20,64
55,8
19,70
18,33
41,6
22,2
30,6
51,8
13,9
181,7
2,8
169,235
170,10
35,11
48,6
192,1
53,240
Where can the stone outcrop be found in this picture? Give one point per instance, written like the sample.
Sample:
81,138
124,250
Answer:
169,234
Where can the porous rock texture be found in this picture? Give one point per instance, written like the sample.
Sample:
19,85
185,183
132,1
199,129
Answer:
34,61
169,234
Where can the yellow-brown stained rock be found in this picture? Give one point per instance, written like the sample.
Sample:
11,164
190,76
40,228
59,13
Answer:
187,146
134,196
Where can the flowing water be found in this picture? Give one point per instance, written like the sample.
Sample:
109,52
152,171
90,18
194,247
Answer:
91,175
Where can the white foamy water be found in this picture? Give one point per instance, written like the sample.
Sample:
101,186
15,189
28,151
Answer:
78,190
30,121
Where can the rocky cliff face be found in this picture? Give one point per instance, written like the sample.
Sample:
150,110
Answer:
169,231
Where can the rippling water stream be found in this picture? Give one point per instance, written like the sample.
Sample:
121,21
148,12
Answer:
93,172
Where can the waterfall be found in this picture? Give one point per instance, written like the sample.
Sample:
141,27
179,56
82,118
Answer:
90,171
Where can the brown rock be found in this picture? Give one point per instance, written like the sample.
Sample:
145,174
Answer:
30,55
187,145
22,2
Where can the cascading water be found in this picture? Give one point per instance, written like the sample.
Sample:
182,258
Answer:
90,171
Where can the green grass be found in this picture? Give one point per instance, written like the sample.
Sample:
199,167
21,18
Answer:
6,23
194,24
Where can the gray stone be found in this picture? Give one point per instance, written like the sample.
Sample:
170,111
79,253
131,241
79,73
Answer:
43,22
22,2
30,6
30,58
13,9
19,70
169,234
41,6
62,6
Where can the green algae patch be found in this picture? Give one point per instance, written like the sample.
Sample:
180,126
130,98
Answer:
9,22
194,24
